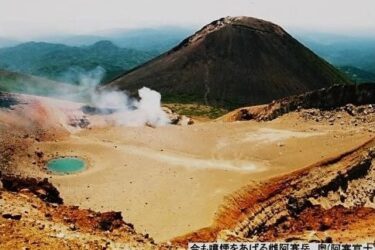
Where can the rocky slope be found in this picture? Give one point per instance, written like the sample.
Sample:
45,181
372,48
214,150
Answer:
232,62
32,216
332,200
333,98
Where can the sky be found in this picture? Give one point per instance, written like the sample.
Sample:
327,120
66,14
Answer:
35,18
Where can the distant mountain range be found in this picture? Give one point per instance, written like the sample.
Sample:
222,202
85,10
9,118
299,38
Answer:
355,56
5,42
158,39
54,60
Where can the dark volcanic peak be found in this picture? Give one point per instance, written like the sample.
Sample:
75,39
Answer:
233,62
254,23
240,21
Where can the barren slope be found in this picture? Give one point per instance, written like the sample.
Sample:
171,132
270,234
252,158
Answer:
271,180
232,62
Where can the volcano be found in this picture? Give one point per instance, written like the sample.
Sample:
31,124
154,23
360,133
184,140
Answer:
231,62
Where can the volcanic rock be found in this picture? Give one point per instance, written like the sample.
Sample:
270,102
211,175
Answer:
12,216
42,188
357,100
177,119
232,62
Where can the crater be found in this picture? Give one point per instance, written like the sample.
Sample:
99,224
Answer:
66,165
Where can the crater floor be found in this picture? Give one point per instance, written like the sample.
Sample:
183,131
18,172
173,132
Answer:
171,180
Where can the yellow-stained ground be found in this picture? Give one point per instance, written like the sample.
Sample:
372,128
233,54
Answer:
170,180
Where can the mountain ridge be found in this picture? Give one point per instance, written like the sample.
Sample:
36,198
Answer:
52,60
230,58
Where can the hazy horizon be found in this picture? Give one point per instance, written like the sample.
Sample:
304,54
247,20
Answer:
22,20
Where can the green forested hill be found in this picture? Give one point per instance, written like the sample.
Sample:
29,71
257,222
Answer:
26,84
54,60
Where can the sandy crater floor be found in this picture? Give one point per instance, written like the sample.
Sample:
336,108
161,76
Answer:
170,180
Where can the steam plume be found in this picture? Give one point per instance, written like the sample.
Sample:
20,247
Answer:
126,110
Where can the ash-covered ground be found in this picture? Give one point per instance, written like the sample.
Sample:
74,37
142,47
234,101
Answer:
306,174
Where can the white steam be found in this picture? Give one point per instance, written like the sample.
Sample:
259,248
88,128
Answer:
84,78
124,109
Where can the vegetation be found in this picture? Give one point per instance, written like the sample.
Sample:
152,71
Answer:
197,110
190,105
353,55
54,60
358,75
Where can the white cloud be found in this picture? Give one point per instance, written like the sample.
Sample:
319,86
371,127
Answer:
22,18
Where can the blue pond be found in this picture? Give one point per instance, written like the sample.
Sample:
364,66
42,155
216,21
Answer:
66,165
